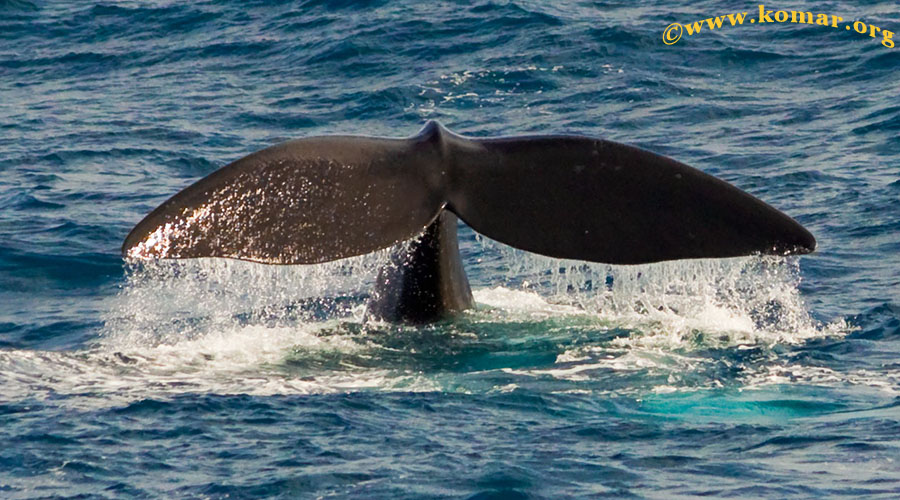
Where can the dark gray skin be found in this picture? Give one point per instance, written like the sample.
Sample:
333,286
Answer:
320,199
425,280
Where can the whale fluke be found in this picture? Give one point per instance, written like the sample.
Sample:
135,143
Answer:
324,198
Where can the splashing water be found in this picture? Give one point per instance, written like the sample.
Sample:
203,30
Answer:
225,326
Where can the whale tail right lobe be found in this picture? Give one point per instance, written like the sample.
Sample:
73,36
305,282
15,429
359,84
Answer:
596,200
325,198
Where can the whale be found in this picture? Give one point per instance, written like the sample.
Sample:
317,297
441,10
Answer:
319,199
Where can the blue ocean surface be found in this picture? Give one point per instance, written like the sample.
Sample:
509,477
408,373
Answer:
756,377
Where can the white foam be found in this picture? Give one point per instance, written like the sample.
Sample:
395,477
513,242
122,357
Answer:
246,360
886,381
522,302
583,367
230,327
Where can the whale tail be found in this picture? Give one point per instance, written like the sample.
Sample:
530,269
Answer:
325,198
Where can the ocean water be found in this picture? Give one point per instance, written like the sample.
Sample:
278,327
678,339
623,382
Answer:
734,378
